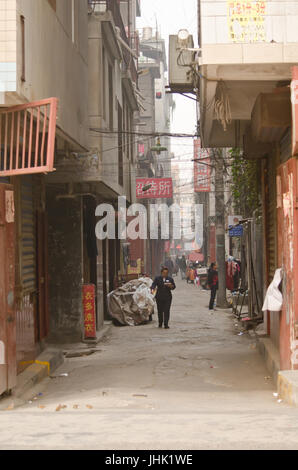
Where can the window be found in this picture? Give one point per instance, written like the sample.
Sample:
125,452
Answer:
120,145
74,21
23,72
104,84
111,98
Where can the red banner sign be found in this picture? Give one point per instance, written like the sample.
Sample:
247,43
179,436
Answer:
202,168
294,99
159,188
89,310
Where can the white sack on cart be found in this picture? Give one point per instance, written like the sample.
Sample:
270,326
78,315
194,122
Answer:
132,304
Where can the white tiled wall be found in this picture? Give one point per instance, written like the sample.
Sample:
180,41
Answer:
8,45
281,21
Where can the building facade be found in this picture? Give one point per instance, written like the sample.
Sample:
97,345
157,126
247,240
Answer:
68,81
247,69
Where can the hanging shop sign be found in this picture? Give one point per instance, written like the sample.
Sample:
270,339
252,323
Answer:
157,188
202,168
89,310
246,21
9,207
294,100
235,230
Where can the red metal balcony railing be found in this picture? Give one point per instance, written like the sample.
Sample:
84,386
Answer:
27,138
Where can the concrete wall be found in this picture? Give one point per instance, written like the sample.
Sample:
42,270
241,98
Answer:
8,37
278,21
99,90
65,267
56,55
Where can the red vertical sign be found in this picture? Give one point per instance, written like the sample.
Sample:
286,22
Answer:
89,310
294,99
202,168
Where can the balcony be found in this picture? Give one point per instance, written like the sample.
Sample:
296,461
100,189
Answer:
130,38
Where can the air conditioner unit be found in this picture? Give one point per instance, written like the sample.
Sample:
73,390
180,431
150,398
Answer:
180,60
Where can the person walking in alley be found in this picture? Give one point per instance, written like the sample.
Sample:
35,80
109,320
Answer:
183,266
212,284
164,285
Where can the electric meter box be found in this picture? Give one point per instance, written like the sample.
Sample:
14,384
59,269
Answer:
180,78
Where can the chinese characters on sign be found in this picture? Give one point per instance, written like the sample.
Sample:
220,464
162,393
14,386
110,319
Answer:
202,168
89,310
9,207
160,188
235,230
246,20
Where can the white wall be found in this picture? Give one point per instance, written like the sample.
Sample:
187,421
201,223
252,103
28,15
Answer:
280,21
55,65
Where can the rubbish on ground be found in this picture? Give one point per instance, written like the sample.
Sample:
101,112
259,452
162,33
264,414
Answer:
267,377
75,407
104,393
90,407
279,401
57,376
132,304
241,333
30,402
34,398
42,407
40,394
275,394
61,407
10,407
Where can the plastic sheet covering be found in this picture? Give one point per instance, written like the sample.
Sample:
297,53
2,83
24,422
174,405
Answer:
132,304
273,300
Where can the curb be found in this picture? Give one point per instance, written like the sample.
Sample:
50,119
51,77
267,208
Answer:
287,386
41,367
271,356
101,334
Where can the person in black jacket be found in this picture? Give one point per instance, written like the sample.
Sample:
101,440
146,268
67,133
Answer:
212,283
164,285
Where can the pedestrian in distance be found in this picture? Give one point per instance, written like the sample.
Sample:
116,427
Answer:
183,266
163,285
169,265
212,284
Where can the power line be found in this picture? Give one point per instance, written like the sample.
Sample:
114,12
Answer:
145,134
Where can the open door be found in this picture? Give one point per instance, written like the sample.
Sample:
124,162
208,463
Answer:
8,369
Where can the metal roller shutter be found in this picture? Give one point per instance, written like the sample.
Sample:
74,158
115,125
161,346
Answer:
271,214
27,237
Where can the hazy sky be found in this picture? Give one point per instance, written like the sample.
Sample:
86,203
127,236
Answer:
170,16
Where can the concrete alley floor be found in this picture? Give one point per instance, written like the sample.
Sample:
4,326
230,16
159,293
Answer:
197,385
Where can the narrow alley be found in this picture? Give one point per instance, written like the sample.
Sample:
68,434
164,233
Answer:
198,385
